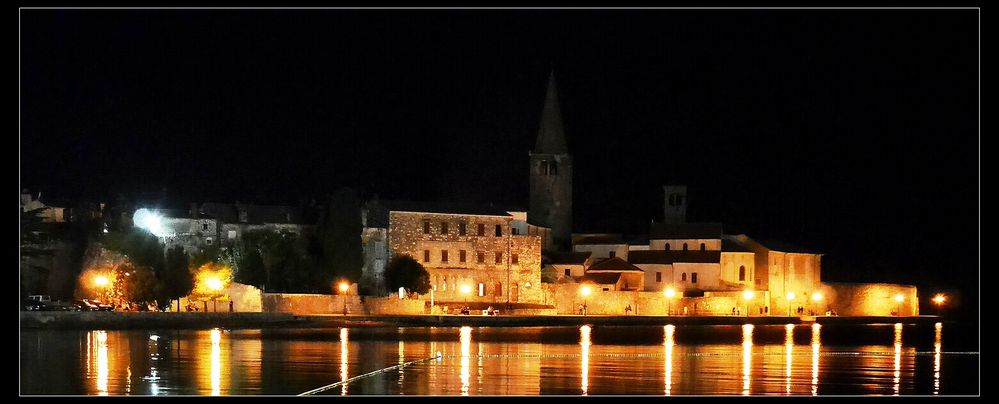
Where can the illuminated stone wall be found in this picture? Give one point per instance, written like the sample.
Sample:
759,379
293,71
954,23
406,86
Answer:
500,281
567,298
871,299
692,244
730,263
797,273
303,303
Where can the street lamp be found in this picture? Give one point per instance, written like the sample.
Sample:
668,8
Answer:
214,284
585,291
939,299
898,307
466,290
817,297
344,287
669,293
790,297
748,295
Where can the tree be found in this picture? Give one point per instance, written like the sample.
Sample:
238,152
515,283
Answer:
139,285
176,275
405,272
142,248
340,239
33,239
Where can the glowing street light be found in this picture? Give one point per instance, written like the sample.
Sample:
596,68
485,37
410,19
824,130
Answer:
898,307
344,287
790,298
585,291
101,281
466,290
939,300
748,295
669,293
214,284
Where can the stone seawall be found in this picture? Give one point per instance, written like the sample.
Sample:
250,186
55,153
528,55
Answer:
117,320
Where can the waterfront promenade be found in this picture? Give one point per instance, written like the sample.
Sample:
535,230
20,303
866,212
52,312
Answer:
158,320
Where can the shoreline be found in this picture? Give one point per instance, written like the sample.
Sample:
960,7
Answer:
158,320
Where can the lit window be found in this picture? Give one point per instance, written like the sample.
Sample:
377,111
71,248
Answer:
482,289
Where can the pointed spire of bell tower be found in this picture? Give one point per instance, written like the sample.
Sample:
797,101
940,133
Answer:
551,135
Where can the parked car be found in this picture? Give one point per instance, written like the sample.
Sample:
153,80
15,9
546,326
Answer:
86,305
61,306
33,305
102,306
465,310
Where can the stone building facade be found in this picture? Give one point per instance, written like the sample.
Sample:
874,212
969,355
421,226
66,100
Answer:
473,248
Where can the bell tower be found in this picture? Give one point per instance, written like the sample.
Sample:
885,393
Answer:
551,173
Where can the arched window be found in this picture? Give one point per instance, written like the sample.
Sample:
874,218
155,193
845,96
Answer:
702,247
742,272
544,167
553,169
683,277
684,246
667,247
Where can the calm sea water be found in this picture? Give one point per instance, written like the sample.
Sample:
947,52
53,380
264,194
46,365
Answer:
588,360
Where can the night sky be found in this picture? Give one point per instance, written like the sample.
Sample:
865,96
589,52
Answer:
850,132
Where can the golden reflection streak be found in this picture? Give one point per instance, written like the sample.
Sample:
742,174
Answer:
216,359
816,344
343,361
466,347
668,342
584,342
788,348
402,359
937,345
898,357
102,363
747,356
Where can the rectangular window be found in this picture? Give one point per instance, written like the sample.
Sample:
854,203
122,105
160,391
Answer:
204,226
514,259
659,276
443,255
461,256
481,257
443,227
426,227
499,289
426,255
499,230
482,289
693,277
482,229
567,272
499,257
461,228
209,241
613,254
515,231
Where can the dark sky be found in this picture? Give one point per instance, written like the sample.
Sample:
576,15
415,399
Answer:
852,132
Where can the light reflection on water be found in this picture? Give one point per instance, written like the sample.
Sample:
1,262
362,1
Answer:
541,360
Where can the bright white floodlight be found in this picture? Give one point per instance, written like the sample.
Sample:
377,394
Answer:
149,220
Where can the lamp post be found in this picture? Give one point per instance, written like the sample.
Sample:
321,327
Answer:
585,291
102,283
748,295
344,287
790,298
898,307
669,293
817,297
939,300
466,290
215,284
